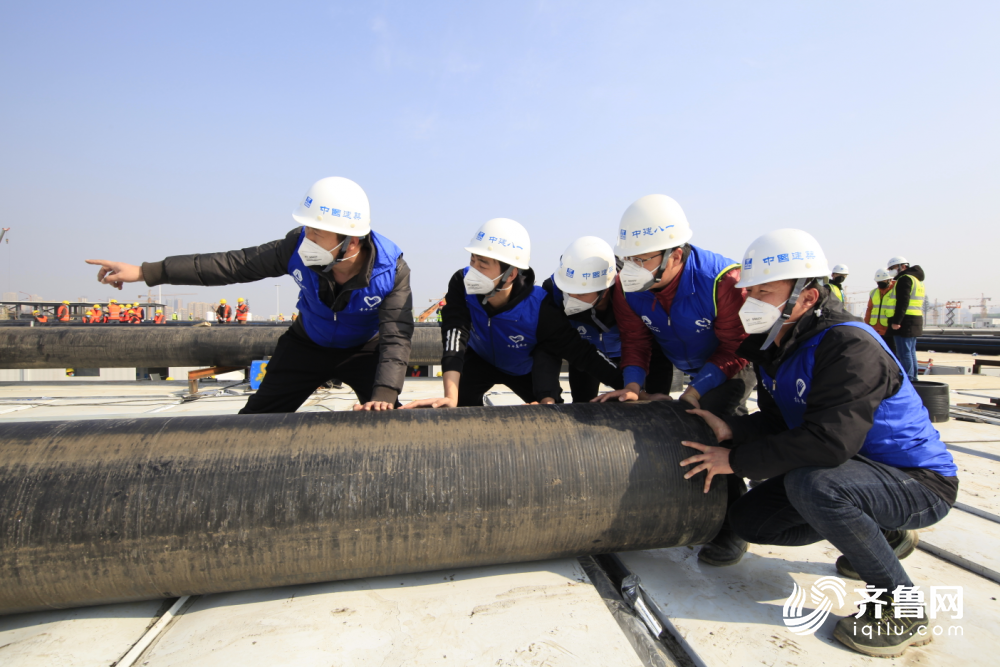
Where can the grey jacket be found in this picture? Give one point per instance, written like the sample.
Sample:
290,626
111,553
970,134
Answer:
270,261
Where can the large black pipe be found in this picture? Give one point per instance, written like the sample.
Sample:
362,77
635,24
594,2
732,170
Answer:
95,512
126,346
986,344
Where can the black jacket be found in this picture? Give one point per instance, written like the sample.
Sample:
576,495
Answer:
852,375
554,335
910,326
270,260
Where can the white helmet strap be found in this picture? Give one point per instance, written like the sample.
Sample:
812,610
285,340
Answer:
786,312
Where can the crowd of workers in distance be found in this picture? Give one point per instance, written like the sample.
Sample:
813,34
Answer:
895,307
134,313
131,313
841,447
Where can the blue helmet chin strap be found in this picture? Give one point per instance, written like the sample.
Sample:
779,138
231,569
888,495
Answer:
786,313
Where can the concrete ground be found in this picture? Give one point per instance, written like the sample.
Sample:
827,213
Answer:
543,613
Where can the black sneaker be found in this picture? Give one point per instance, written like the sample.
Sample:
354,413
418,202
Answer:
903,542
726,549
881,634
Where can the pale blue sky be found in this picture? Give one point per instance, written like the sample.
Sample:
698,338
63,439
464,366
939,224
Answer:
133,131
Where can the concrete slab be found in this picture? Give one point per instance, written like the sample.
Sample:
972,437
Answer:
953,358
959,431
966,382
545,613
968,540
733,615
978,482
71,637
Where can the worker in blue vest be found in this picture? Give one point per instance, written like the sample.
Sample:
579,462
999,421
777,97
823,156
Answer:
581,287
354,299
842,439
837,278
685,301
682,299
494,320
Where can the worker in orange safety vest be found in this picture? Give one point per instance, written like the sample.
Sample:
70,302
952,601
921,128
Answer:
241,311
223,313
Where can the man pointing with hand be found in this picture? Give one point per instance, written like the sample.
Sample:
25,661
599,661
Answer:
354,299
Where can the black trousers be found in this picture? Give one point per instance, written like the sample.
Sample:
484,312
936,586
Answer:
889,343
479,376
583,386
726,400
730,397
299,366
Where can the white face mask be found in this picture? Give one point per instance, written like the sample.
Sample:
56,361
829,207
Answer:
572,305
635,278
477,283
893,272
313,254
758,316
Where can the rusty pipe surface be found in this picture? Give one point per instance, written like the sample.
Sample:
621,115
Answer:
95,512
124,346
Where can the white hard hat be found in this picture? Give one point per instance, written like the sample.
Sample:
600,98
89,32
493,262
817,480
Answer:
782,255
336,205
881,275
587,265
896,260
504,240
654,222
840,268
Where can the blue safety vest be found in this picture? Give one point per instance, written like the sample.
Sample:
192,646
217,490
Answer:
901,436
608,342
507,339
357,323
686,335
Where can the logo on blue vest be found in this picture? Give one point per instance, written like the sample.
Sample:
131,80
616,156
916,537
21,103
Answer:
516,339
373,301
582,330
298,276
704,323
800,387
649,323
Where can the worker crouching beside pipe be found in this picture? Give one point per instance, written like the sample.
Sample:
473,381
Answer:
496,321
842,439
